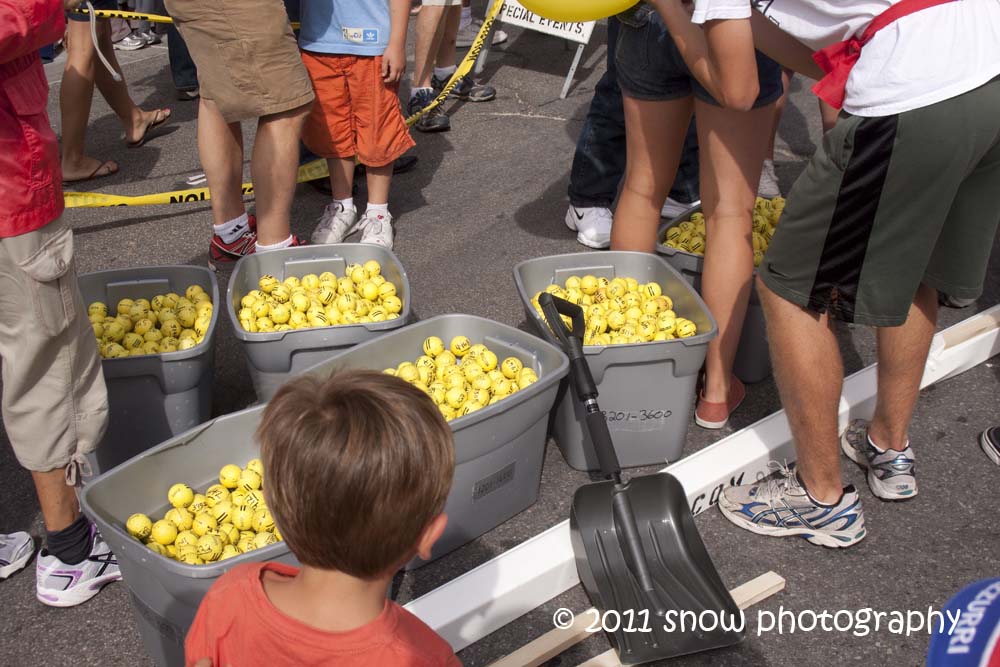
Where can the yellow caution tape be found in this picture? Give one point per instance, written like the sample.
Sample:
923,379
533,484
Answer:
307,172
465,66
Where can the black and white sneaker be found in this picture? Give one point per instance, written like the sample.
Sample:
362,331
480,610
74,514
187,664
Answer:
61,585
466,89
434,120
892,474
989,440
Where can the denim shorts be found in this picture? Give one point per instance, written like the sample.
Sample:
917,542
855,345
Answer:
110,5
651,68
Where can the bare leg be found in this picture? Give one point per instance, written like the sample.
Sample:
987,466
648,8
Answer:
220,147
134,120
828,114
341,176
902,355
809,373
379,180
75,96
274,167
654,135
58,501
732,154
430,33
779,109
446,50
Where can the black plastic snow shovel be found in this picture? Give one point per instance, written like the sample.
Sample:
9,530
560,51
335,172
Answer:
638,552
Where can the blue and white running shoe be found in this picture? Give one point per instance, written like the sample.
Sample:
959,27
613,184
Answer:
892,474
780,506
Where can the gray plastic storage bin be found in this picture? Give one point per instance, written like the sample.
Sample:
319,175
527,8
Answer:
753,359
152,397
647,389
276,356
499,450
165,593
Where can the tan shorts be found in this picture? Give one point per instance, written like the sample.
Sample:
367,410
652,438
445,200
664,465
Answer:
55,404
248,60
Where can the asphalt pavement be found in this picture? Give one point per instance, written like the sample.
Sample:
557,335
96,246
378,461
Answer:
485,196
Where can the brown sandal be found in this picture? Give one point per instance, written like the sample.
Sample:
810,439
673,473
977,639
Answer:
106,168
161,117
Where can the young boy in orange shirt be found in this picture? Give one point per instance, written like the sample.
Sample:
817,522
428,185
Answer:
357,468
355,53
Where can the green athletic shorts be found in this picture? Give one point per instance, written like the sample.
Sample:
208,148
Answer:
889,203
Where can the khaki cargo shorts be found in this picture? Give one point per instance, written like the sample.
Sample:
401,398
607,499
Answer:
55,404
247,57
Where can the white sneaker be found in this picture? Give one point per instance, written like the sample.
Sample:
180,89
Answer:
768,187
592,225
335,225
15,552
62,585
376,228
673,208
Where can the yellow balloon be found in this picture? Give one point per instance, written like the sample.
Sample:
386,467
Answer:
577,10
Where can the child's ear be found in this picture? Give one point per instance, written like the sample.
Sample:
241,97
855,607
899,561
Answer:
432,533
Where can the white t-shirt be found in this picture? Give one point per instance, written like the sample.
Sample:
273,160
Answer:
924,58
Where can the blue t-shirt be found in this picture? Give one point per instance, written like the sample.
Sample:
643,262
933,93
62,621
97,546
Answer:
352,27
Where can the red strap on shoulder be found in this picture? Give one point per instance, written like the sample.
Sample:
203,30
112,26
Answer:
838,59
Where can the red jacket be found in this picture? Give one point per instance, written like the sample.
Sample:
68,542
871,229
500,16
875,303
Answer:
30,177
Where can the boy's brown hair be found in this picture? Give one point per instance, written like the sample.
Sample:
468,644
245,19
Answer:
356,465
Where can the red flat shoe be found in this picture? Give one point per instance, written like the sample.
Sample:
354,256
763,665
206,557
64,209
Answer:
716,415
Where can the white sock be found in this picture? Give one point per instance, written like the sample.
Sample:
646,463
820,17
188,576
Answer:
233,229
444,73
414,91
348,203
466,19
377,208
276,246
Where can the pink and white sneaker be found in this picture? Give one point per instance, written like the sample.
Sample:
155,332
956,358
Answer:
62,585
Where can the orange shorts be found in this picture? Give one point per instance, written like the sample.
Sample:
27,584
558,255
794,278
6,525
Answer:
356,113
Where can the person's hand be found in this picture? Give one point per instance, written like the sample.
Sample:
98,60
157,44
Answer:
69,6
393,63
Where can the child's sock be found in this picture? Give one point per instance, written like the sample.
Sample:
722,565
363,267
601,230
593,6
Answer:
444,73
415,91
276,246
72,544
347,204
233,229
466,18
377,208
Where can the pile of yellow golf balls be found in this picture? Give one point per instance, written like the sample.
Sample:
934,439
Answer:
621,311
689,235
166,323
229,519
361,295
464,377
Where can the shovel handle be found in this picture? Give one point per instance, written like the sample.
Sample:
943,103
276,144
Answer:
572,342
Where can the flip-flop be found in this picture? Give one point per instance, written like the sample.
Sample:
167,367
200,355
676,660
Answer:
162,116
103,169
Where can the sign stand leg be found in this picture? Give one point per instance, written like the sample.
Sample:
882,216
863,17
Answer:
572,72
485,51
